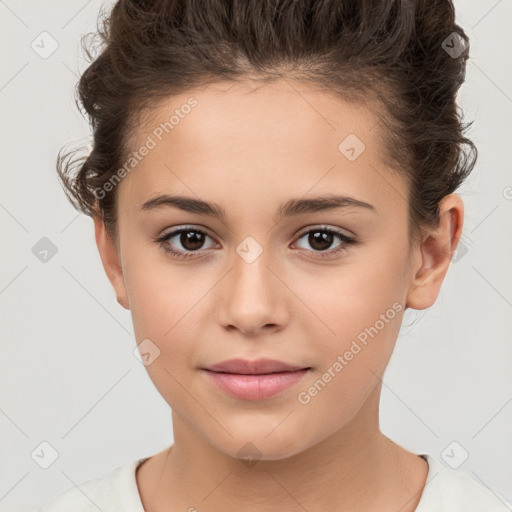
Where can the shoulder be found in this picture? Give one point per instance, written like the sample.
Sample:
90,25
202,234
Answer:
117,490
448,490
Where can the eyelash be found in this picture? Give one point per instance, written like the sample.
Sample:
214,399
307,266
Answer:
346,240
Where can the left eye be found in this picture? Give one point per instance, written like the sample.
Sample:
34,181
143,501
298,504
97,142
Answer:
322,238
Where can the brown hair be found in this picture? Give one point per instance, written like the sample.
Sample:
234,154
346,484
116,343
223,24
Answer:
407,56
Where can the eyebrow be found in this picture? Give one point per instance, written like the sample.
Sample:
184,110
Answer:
288,209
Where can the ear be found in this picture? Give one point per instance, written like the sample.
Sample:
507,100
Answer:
433,256
110,258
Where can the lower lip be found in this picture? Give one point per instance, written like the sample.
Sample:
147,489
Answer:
255,387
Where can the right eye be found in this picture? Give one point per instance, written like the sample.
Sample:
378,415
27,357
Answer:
190,239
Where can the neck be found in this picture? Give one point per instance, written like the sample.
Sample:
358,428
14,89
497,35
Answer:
335,474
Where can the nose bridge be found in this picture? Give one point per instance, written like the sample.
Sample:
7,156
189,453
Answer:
250,273
251,295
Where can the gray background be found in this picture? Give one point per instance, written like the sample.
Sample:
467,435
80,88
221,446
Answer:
68,374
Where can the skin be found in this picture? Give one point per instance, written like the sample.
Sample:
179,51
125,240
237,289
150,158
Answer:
251,148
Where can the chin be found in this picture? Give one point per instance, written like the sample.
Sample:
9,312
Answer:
255,442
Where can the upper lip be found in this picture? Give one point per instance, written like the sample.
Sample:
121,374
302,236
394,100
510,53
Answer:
260,366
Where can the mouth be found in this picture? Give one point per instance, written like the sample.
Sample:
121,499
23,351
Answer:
258,367
254,380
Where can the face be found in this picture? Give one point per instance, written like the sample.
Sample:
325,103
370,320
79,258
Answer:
283,275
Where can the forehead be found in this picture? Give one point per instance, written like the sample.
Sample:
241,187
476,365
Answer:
283,138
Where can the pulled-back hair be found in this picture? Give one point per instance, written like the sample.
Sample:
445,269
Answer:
408,57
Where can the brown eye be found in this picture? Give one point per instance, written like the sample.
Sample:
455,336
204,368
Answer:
182,243
191,240
321,239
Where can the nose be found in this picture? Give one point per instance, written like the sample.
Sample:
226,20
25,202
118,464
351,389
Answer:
253,298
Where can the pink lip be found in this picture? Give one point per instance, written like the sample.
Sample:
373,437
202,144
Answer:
254,380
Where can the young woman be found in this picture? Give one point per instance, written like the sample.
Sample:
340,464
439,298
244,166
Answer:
272,186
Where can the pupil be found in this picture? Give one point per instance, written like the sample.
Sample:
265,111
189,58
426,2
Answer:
191,240
321,238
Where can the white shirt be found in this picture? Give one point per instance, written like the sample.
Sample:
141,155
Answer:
446,490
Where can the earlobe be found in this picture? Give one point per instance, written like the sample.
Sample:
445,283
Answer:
110,259
434,254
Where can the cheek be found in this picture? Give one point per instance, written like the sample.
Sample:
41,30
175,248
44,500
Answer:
358,313
350,361
342,303
163,309
156,289
164,304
